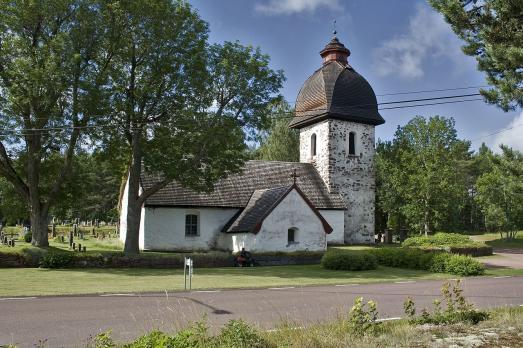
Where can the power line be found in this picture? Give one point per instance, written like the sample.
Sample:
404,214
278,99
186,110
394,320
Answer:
433,90
429,104
433,98
498,131
28,131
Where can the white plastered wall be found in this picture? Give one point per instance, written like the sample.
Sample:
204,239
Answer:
336,220
165,228
291,212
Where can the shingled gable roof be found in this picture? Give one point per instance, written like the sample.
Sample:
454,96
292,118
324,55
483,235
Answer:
236,190
261,204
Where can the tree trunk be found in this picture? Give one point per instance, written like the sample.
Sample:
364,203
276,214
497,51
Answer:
133,197
426,226
38,218
132,244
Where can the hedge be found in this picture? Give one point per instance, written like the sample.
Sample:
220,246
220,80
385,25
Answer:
451,242
35,257
438,239
349,261
410,258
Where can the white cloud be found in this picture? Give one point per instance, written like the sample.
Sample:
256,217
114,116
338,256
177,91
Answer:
428,37
276,7
513,136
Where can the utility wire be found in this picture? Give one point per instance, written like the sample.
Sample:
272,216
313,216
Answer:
429,104
433,98
433,90
498,132
28,131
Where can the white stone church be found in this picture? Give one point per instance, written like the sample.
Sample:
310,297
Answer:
326,198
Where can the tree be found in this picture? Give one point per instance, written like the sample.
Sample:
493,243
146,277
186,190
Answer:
53,62
91,189
280,143
243,86
471,217
424,172
163,87
390,198
493,35
500,193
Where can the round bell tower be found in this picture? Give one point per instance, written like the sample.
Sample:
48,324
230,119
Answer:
336,112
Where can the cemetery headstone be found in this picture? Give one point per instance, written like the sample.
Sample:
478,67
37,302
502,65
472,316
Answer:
71,238
85,249
79,247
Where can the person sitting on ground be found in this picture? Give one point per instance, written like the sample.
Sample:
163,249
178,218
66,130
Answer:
244,258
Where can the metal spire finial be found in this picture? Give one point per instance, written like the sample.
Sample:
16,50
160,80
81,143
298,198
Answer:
294,176
334,27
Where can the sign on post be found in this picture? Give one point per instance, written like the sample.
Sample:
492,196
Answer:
187,272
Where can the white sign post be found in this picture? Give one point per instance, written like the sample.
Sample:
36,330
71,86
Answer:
187,271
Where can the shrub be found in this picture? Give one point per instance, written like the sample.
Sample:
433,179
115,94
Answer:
349,260
239,334
56,260
429,260
458,310
464,266
439,239
451,242
362,318
439,262
155,339
404,258
194,336
28,237
103,340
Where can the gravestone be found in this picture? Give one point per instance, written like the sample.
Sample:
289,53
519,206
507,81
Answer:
71,238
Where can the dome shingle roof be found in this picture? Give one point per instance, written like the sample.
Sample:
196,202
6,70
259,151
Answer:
337,91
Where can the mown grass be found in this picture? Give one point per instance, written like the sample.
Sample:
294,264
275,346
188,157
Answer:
38,282
89,241
495,240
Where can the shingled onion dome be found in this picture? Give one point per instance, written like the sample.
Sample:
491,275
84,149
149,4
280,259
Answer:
336,91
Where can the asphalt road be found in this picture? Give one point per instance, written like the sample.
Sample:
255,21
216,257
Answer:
68,321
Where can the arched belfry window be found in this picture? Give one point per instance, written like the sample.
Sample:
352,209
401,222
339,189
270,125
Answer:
313,144
352,143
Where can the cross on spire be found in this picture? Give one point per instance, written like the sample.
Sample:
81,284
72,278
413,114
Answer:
294,176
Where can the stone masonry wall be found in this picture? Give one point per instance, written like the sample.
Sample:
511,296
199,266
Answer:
352,176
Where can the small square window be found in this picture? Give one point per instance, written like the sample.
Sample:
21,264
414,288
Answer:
191,225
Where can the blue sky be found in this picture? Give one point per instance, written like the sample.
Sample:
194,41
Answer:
397,45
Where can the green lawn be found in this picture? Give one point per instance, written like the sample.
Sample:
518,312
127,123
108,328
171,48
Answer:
91,243
495,240
36,281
